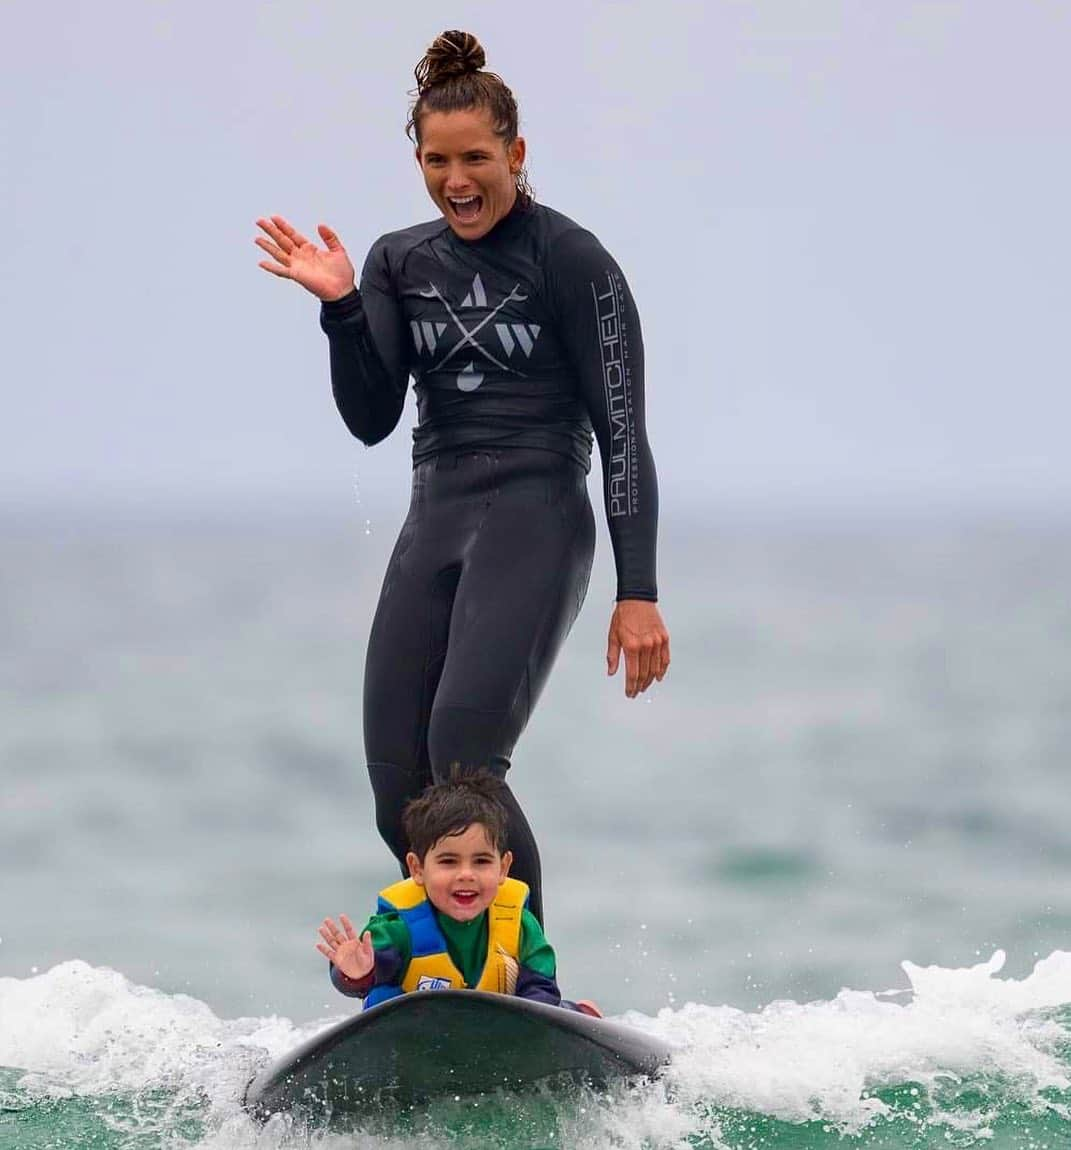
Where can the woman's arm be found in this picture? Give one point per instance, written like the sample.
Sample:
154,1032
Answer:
600,327
369,373
601,331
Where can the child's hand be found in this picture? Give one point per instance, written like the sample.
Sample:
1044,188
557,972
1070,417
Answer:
352,955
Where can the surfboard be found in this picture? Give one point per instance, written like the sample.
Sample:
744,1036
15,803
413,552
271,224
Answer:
431,1044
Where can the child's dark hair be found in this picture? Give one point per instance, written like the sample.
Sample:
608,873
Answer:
452,807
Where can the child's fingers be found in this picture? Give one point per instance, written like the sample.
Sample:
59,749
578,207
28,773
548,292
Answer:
347,926
327,952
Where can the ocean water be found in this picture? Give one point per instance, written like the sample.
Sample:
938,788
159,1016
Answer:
827,859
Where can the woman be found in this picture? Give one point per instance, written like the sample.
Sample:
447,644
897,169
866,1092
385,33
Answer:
521,336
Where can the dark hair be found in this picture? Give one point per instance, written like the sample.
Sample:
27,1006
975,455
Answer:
451,808
450,79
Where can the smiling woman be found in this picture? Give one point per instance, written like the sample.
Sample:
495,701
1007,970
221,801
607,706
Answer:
522,338
466,127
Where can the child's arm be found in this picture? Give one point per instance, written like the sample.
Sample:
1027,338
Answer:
352,957
388,942
536,977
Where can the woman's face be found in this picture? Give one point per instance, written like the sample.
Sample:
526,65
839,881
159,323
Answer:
469,171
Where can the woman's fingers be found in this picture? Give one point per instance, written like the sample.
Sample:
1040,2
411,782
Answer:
291,233
645,666
334,244
613,652
273,250
278,236
664,659
646,660
327,952
347,926
659,661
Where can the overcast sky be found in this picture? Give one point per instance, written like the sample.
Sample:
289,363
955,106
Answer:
845,224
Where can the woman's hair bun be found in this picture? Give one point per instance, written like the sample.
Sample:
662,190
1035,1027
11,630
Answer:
452,54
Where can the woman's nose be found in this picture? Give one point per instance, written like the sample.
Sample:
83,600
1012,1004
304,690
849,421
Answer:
456,178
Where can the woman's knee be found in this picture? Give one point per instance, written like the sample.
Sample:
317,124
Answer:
393,786
466,739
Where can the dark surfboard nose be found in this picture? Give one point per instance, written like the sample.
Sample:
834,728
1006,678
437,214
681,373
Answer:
458,1043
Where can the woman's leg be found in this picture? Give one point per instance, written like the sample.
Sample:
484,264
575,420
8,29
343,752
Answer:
523,582
406,650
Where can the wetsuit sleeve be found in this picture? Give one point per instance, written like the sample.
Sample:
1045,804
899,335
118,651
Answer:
537,965
390,939
365,334
600,327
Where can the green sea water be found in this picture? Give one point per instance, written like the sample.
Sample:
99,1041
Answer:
859,758
966,1058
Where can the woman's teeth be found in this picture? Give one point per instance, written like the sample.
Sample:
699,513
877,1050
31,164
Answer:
466,207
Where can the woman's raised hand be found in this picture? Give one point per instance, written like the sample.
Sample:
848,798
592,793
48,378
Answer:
326,272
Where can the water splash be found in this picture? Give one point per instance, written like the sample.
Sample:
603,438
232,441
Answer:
959,1056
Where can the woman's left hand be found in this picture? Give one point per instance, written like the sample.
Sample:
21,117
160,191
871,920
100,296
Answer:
636,628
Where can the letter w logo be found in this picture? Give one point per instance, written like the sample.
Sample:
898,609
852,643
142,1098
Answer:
429,331
512,334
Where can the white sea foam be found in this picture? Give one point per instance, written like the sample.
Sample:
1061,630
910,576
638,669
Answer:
85,1030
825,1060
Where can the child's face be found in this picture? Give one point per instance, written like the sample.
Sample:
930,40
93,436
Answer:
461,873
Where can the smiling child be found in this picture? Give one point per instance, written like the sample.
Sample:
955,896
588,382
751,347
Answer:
433,930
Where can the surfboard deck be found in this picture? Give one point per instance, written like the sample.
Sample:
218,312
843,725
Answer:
444,1043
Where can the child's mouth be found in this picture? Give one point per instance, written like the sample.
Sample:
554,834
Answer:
465,897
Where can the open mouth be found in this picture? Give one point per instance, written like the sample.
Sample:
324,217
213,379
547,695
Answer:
465,208
465,897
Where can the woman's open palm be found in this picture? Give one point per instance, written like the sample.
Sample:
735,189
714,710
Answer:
326,272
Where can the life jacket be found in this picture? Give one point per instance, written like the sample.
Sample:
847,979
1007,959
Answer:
430,965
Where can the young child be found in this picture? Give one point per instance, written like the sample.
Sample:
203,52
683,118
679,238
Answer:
433,930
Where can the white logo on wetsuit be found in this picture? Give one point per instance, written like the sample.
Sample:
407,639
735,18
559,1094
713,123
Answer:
426,334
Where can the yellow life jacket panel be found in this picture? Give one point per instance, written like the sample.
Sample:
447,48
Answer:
430,965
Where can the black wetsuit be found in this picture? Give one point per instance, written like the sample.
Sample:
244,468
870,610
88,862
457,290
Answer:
520,343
